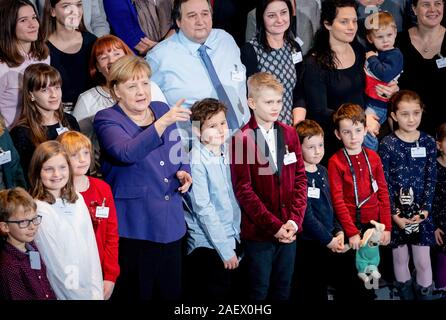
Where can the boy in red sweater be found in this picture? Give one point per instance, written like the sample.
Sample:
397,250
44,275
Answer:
359,191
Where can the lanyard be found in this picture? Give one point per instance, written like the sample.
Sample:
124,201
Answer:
355,185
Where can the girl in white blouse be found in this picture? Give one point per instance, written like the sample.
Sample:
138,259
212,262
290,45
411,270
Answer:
66,238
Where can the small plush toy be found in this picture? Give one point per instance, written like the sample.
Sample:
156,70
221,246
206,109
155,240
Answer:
406,207
367,257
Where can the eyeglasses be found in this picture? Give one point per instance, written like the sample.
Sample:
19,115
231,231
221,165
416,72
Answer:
23,224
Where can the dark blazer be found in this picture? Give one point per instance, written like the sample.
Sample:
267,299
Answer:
268,196
141,169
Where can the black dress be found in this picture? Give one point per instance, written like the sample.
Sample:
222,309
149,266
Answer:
425,78
73,68
325,91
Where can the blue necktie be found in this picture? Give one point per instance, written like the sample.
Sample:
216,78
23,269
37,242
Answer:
221,93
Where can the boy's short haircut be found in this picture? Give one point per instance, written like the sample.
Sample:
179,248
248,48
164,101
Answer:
307,129
261,80
203,110
349,111
378,20
12,200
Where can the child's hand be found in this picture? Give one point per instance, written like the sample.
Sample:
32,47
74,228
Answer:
354,242
281,234
371,54
417,218
108,289
385,238
401,222
288,240
231,263
333,245
439,236
290,227
372,124
340,238
285,235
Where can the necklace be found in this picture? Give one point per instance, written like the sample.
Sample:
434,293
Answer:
140,121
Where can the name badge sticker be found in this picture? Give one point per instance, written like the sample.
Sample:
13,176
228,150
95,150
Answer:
236,74
314,193
441,63
61,130
289,158
34,260
102,212
374,185
297,57
5,157
65,207
418,152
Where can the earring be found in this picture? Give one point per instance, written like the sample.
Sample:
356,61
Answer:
32,98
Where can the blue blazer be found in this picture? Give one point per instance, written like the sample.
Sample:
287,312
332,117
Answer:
123,20
141,169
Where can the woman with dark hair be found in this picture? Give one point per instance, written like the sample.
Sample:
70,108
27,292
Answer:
42,116
424,48
275,51
334,69
70,46
21,44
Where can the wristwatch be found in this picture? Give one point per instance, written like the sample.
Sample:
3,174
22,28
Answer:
422,216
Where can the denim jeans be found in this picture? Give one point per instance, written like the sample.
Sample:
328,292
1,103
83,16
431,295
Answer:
370,141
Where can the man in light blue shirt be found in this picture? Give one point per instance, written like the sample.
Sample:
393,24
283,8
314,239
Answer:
213,228
179,70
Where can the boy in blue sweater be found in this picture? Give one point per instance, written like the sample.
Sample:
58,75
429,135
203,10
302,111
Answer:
382,66
321,233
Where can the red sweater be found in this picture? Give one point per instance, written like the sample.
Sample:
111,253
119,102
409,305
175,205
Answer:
342,192
106,229
267,200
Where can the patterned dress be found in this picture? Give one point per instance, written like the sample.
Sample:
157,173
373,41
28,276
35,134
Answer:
404,171
279,62
439,206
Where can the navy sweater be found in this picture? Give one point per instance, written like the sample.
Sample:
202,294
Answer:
320,223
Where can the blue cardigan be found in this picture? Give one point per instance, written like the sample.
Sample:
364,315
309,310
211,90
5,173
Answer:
141,169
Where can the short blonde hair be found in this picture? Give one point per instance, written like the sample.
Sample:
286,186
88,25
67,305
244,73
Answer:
127,68
262,80
74,141
377,21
